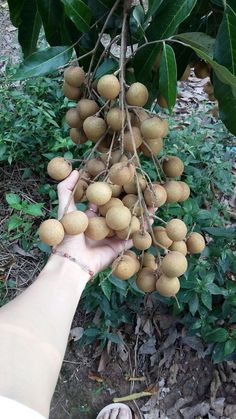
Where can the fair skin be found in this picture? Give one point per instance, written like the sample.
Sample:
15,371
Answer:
34,327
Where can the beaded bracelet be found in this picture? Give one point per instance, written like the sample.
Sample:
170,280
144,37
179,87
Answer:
72,259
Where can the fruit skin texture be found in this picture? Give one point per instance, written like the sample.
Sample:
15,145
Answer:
174,264
78,136
185,191
94,127
118,218
128,139
95,166
108,86
154,146
121,173
137,94
113,202
131,187
142,241
176,229
72,93
149,261
133,226
124,267
174,191
74,76
173,166
98,193
195,243
179,246
114,118
168,287
73,118
87,107
58,168
155,195
201,69
146,280
152,128
75,222
161,237
80,191
51,232
97,228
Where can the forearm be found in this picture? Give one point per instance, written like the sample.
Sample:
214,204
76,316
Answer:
34,332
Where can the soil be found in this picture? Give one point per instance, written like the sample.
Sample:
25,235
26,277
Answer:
173,369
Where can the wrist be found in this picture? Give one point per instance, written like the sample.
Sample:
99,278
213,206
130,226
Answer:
67,269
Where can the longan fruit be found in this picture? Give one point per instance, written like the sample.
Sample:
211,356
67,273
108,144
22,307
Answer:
115,189
117,156
121,173
137,94
78,136
168,287
104,144
131,187
97,228
139,116
201,69
195,243
133,140
94,127
146,280
98,193
80,191
172,166
155,195
72,93
114,119
186,73
142,240
59,168
162,102
161,237
185,191
124,267
87,107
176,229
95,166
131,253
179,246
113,202
108,86
153,146
209,88
174,191
74,76
149,261
118,217
165,127
75,222
152,128
133,226
131,201
73,119
51,232
174,264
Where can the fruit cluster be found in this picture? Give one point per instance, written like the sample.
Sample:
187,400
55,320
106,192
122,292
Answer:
112,179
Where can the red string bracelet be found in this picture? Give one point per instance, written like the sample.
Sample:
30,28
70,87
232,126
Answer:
72,259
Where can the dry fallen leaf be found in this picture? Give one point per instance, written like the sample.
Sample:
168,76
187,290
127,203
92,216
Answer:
95,377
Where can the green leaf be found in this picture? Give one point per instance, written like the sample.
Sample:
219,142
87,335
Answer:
217,335
153,6
14,222
221,232
29,28
218,352
214,289
79,12
106,288
92,332
34,209
52,15
168,76
107,67
15,7
13,200
199,40
206,299
43,62
113,338
230,346
193,304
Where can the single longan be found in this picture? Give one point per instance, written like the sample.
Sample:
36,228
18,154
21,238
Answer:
97,228
51,232
121,173
95,167
94,127
118,217
74,76
115,189
58,168
142,240
174,191
137,94
174,264
98,193
185,191
173,166
108,86
146,280
72,93
75,222
131,201
195,243
131,187
176,229
179,246
155,195
78,136
87,107
154,146
80,191
168,287
149,261
115,118
113,202
73,119
133,226
161,237
152,128
124,267
132,140
201,69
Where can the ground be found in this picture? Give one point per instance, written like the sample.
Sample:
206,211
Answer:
158,355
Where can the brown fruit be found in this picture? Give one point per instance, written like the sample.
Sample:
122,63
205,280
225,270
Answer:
72,93
115,189
132,141
95,166
152,128
131,201
161,237
179,246
75,222
176,229
149,261
87,107
80,192
137,94
97,228
104,144
108,86
131,187
114,119
98,193
172,166
131,254
165,127
174,264
209,88
58,168
124,267
201,69
73,119
154,146
113,202
186,73
195,243
117,156
74,76
139,116
174,191
142,240
133,226
118,217
51,232
155,195
168,287
185,191
78,136
162,101
121,173
94,127
146,280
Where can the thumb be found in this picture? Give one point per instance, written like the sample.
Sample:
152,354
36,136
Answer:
64,191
